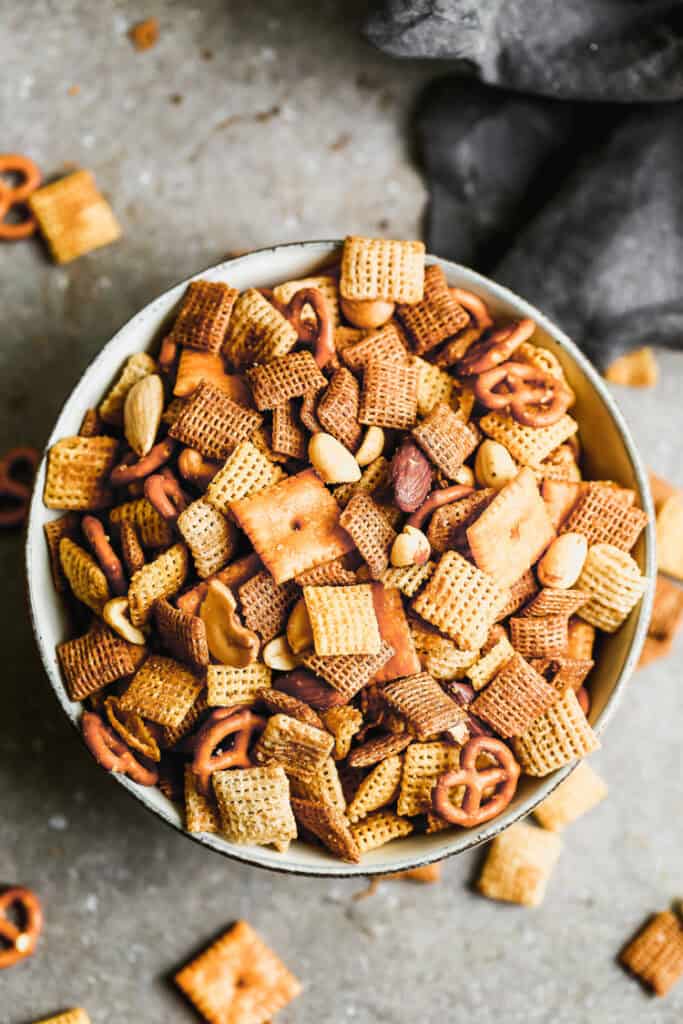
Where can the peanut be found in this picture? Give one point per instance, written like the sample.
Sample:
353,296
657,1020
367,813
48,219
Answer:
333,462
562,563
411,547
494,466
371,446
229,641
299,631
367,313
277,654
464,476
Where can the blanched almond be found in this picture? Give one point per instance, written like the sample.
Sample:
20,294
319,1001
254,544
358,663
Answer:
142,413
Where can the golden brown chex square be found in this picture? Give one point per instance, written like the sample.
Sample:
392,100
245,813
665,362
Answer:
445,439
437,317
433,386
348,673
131,549
293,525
73,216
423,704
65,526
289,436
556,738
135,368
519,864
325,787
286,377
520,591
300,748
204,314
513,532
382,268
337,408
83,574
528,446
438,655
92,661
387,343
461,600
378,789
539,637
379,828
280,703
491,661
604,519
343,620
329,825
162,690
77,477
448,525
254,805
210,536
213,423
152,529
515,698
581,639
614,585
246,471
409,579
555,601
229,687
334,574
161,578
365,522
565,673
258,332
266,605
379,748
238,979
169,735
201,813
389,395
343,722
655,955
182,635
578,794
423,763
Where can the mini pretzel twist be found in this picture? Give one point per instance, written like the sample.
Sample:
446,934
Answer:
474,305
474,810
14,163
13,493
112,753
109,562
163,491
496,348
321,335
435,499
221,723
167,354
20,941
132,468
534,397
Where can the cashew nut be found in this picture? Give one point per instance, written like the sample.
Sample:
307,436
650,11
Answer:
371,446
411,547
277,654
116,614
229,641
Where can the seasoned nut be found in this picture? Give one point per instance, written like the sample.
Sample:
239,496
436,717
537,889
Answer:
371,446
464,476
299,631
411,475
194,467
494,466
116,614
333,462
229,641
142,413
411,547
367,313
278,655
562,563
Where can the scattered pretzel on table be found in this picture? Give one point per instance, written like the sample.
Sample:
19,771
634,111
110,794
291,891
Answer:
19,942
14,494
12,196
534,397
474,810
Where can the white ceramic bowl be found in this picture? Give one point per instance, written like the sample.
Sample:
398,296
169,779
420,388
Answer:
609,453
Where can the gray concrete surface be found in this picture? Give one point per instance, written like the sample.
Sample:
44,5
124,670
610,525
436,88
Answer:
293,128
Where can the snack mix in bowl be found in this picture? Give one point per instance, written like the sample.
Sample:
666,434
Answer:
331,563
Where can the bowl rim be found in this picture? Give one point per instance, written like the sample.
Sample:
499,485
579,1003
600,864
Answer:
458,842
